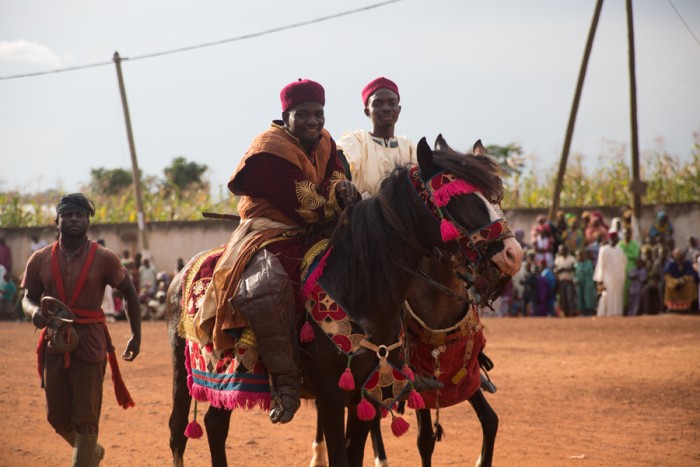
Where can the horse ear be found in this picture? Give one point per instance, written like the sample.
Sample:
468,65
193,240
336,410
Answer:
440,144
425,159
479,149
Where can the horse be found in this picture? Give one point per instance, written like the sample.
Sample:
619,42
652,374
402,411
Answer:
367,272
440,299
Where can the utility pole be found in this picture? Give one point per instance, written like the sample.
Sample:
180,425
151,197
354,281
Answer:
134,163
637,187
574,110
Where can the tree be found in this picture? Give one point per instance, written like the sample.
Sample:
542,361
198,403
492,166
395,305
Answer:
183,174
110,181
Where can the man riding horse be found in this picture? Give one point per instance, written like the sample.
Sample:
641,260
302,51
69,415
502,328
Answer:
289,180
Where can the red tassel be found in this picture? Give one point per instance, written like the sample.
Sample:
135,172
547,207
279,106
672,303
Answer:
347,381
383,411
194,430
415,401
307,332
123,397
366,411
406,370
448,231
399,426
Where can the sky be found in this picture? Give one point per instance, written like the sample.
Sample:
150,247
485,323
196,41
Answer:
503,71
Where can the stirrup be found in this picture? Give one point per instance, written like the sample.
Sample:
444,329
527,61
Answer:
283,408
487,385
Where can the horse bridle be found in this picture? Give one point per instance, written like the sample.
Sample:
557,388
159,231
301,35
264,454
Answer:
436,192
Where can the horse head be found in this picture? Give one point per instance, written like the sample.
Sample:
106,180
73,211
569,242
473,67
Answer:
463,192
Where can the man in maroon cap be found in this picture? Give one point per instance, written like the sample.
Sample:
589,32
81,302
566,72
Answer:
372,155
289,180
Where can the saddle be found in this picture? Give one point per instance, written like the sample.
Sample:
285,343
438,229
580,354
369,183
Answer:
60,335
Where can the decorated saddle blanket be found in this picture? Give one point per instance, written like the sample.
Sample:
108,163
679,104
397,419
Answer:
450,355
231,379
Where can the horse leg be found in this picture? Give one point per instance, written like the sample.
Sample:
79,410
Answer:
331,412
356,437
378,442
318,448
217,423
426,437
489,427
181,398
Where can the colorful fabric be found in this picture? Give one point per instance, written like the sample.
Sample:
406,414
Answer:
681,285
234,378
450,355
303,90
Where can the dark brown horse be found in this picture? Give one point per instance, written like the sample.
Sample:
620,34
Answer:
368,273
437,310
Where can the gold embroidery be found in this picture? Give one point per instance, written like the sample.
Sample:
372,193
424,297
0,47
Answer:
309,199
332,207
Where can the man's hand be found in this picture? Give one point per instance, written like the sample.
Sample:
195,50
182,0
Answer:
132,349
39,320
346,193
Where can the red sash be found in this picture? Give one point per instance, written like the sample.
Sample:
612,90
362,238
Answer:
84,317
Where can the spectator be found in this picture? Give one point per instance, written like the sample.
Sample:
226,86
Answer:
5,256
593,248
530,288
520,237
8,292
179,266
595,227
108,298
637,277
544,245
632,250
661,229
692,249
650,301
148,278
564,269
36,243
546,290
681,283
585,287
610,275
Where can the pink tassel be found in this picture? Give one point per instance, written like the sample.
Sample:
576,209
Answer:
406,370
448,231
194,430
307,332
415,401
443,194
366,411
399,426
315,275
347,381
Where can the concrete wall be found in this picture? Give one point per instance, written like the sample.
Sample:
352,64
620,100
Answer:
172,240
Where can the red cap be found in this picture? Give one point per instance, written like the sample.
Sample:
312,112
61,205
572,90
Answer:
377,84
303,90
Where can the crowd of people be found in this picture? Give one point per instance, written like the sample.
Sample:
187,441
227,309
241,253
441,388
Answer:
581,266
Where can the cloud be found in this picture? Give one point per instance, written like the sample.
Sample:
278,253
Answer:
28,52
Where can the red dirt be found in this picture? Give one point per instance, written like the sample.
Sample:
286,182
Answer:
578,391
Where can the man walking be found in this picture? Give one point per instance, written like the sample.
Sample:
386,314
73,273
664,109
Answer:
75,271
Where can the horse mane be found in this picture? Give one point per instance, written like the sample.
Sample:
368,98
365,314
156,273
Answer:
369,248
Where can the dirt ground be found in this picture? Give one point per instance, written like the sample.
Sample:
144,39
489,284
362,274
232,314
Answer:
571,392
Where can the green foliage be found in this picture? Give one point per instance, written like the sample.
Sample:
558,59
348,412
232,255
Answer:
183,174
110,181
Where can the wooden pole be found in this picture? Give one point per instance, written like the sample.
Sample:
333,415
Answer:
636,186
134,163
574,110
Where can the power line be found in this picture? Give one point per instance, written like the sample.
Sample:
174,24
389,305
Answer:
208,44
683,21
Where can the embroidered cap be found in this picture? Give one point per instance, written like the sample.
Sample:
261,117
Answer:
303,90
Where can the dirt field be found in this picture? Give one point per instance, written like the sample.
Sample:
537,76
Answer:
571,392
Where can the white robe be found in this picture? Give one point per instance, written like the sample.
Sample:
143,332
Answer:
610,270
370,162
